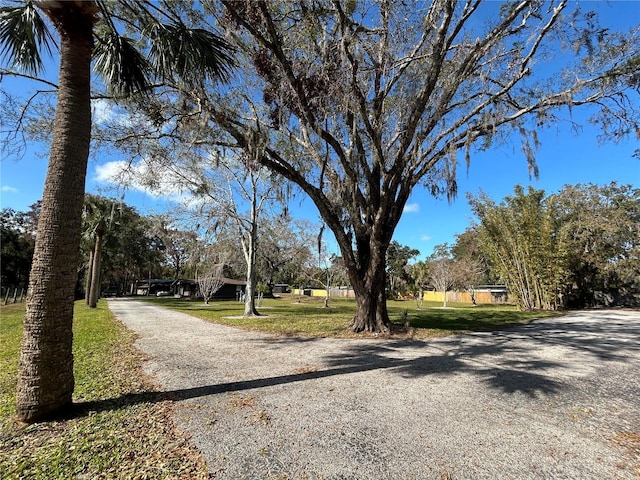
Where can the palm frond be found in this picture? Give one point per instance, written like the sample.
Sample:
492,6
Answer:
188,53
23,35
123,68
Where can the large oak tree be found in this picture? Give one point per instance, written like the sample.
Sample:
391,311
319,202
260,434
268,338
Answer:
360,102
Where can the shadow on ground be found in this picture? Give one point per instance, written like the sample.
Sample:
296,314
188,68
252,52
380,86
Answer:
506,361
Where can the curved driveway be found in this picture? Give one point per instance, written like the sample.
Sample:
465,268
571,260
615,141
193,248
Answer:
556,399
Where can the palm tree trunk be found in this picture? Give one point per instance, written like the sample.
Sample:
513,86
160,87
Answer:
95,274
87,283
45,376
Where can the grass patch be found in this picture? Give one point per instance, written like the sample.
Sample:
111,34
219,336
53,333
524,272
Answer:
464,318
120,440
289,315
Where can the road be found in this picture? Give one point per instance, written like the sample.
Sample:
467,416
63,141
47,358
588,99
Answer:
556,399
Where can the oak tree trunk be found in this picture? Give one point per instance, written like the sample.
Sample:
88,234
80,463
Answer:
371,312
45,375
369,288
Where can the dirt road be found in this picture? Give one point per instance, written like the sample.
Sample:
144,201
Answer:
556,399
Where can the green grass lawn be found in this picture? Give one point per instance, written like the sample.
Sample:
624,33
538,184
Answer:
108,438
289,315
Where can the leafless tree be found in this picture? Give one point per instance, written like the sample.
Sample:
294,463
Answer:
210,275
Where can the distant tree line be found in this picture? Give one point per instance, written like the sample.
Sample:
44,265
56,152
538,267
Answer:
119,246
576,248
17,241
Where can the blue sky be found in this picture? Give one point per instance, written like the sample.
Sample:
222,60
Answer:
563,158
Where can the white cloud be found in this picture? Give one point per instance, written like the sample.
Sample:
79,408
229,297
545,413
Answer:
8,189
108,172
425,238
411,208
104,111
153,180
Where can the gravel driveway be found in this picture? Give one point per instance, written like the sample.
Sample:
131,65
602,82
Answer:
554,399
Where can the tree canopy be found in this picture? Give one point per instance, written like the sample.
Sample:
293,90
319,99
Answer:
358,103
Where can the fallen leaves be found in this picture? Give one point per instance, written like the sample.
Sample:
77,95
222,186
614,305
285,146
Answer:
240,402
630,441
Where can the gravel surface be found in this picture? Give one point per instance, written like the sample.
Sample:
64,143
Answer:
552,399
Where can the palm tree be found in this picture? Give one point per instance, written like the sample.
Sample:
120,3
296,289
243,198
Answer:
45,378
97,219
